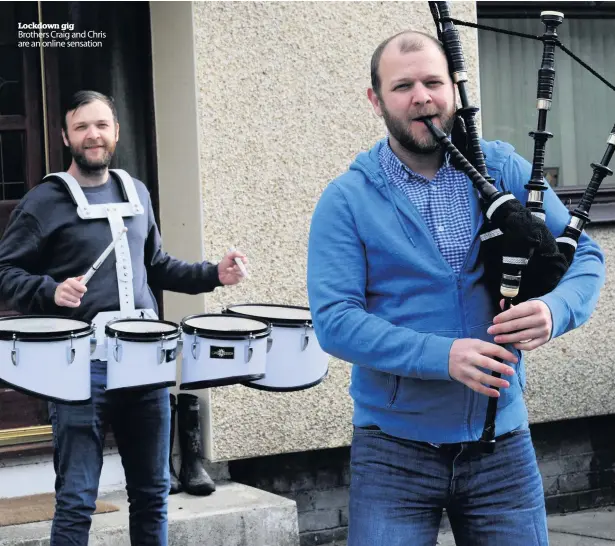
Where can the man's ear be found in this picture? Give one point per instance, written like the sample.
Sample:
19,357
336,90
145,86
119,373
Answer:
117,132
64,138
375,100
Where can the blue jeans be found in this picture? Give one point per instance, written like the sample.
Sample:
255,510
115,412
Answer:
141,422
399,488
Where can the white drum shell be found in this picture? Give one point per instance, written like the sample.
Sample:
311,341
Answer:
200,370
289,367
139,364
43,368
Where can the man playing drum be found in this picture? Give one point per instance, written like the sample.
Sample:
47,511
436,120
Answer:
54,235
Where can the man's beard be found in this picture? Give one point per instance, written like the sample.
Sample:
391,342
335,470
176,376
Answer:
92,166
401,132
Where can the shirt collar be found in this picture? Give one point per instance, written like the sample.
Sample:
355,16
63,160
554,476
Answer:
394,164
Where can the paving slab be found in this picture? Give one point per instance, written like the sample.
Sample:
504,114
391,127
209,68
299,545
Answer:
598,524
555,539
587,528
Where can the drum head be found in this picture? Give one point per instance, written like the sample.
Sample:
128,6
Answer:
42,328
225,327
142,329
278,315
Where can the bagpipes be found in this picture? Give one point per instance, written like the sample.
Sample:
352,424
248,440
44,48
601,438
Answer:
516,244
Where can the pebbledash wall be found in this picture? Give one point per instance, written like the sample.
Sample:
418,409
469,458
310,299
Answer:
258,107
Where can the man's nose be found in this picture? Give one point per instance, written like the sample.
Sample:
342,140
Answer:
92,132
421,95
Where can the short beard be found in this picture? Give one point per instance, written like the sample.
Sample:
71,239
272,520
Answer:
91,167
400,132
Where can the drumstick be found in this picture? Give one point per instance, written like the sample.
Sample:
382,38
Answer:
103,256
242,267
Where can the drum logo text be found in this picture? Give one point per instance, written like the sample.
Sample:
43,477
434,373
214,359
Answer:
170,355
222,352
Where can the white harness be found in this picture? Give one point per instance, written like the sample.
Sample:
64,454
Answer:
114,212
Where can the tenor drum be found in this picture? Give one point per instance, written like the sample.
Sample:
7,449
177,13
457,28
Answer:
47,357
295,360
222,350
141,353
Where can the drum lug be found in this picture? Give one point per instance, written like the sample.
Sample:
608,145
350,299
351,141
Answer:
93,341
117,350
14,352
180,341
305,338
161,355
269,343
196,349
70,351
166,355
249,348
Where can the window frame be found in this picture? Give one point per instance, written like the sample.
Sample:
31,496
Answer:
603,207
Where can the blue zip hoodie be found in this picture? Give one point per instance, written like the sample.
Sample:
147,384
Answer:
383,298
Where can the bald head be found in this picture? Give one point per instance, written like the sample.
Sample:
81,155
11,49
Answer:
407,41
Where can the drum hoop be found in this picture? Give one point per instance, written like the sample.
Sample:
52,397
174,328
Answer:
217,334
60,335
281,322
141,336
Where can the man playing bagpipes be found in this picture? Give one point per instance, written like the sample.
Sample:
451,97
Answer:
396,287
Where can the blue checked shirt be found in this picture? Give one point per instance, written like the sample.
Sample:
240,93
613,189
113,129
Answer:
442,203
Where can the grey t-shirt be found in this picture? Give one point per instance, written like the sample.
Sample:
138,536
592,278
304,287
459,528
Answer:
46,242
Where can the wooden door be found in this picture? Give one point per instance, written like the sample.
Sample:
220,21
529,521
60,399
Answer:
21,168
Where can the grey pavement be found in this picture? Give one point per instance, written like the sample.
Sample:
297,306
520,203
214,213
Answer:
588,528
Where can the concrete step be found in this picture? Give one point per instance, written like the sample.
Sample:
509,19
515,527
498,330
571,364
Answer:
234,515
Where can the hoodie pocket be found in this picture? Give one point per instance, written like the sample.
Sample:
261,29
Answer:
373,388
393,389
434,397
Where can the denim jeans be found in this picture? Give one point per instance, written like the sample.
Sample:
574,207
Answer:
399,488
141,423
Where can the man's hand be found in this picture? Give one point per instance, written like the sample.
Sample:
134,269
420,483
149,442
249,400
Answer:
70,292
527,325
466,358
228,271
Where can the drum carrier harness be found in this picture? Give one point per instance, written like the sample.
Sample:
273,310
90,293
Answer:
115,214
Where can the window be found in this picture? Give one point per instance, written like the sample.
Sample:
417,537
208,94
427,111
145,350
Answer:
583,109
